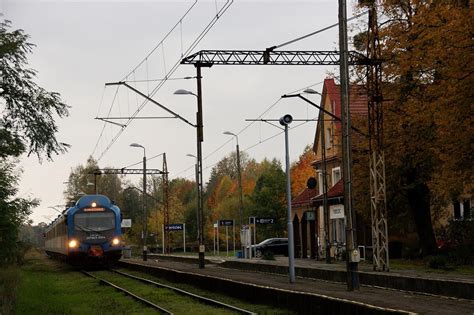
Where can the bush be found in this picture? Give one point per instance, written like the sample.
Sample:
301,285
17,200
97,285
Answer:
457,242
9,281
268,255
437,262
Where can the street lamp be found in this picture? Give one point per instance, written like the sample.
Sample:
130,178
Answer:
197,192
285,121
325,181
311,91
184,92
199,140
144,234
239,176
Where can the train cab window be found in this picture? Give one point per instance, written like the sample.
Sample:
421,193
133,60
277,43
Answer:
94,221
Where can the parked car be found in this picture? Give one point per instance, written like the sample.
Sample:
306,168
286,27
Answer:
276,246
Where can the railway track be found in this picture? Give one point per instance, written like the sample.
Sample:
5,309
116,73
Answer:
136,297
201,299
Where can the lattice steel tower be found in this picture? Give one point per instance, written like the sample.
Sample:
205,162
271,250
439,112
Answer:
378,200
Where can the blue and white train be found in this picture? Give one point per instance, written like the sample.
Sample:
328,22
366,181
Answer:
90,230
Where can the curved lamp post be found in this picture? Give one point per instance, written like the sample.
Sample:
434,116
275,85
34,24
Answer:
144,233
239,176
199,140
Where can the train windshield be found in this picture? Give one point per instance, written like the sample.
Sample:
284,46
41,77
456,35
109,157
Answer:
94,221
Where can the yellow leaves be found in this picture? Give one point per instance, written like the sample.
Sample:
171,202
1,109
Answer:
302,170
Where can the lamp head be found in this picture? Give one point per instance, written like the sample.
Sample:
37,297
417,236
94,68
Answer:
136,145
183,92
286,120
311,91
229,133
191,155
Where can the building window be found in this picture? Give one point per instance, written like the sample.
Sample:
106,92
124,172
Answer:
320,182
338,231
336,175
467,209
462,210
328,138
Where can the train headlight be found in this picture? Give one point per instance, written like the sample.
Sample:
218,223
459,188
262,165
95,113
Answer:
94,204
116,241
73,244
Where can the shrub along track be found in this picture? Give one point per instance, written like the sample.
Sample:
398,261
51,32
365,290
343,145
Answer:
211,304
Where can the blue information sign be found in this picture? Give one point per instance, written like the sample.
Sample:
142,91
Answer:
226,222
265,220
174,227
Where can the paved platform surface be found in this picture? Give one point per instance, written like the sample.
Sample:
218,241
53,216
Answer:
379,297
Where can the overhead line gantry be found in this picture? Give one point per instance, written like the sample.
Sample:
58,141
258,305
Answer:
208,58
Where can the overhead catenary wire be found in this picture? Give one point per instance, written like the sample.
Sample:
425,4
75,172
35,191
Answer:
223,9
148,159
304,121
105,124
248,126
314,33
164,38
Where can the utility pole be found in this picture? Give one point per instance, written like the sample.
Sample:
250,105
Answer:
325,189
200,139
239,176
166,220
352,258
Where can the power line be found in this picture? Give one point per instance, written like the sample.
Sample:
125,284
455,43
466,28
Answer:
214,20
164,38
248,126
315,32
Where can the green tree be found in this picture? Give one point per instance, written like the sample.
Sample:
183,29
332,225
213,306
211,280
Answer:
268,197
27,125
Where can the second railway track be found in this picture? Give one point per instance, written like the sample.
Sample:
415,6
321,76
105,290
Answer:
209,306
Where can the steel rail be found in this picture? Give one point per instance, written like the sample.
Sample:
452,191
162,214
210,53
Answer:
183,292
136,297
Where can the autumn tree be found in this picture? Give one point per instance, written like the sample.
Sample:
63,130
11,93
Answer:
301,170
427,49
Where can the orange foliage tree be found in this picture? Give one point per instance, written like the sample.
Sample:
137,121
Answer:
301,170
427,48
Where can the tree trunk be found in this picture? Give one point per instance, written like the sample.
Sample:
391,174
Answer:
419,201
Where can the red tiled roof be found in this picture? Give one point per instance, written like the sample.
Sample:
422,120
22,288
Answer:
304,198
334,192
308,196
357,99
357,103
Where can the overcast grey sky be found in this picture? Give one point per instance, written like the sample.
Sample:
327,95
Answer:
81,45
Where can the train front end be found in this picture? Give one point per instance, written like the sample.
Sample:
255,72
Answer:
94,231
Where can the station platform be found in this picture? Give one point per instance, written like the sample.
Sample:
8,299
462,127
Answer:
327,283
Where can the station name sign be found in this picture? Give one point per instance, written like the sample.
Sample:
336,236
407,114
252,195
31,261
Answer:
226,222
254,220
174,227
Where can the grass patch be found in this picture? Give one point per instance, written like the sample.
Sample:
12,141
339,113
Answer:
50,287
166,298
257,308
9,281
422,266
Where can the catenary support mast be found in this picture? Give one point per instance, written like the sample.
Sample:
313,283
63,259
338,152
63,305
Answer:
378,201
